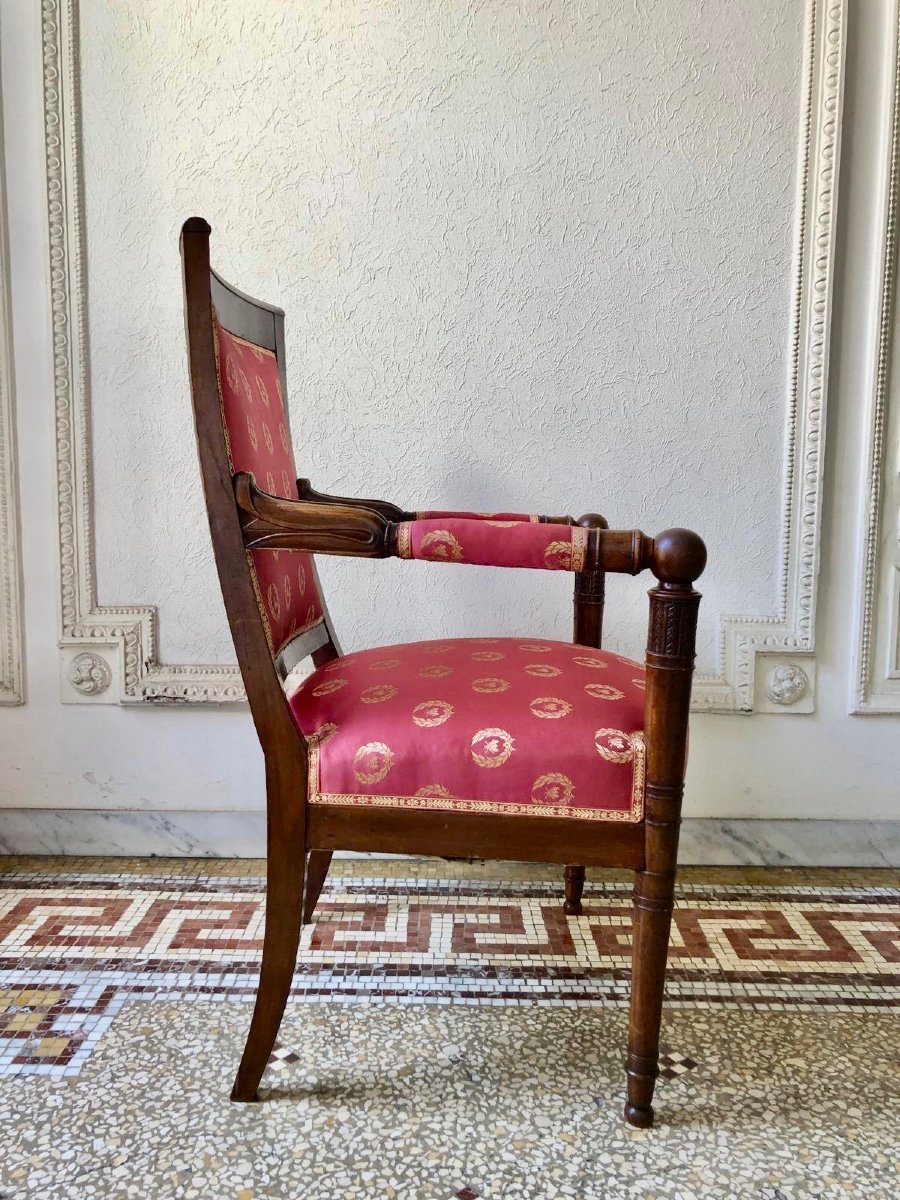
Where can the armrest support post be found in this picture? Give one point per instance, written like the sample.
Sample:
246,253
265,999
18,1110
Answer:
679,557
590,593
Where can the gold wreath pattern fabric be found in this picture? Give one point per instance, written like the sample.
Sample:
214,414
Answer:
491,543
256,435
540,735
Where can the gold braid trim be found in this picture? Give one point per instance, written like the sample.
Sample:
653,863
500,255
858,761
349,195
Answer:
579,547
631,816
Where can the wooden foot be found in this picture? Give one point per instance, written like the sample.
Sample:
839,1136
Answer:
640,1118
574,885
642,1074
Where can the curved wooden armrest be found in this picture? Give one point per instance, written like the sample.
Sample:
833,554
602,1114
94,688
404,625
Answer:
676,556
275,523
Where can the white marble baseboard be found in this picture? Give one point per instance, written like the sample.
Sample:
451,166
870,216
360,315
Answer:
705,841
129,833
712,841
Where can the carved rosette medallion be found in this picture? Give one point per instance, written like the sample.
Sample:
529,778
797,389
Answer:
788,684
89,674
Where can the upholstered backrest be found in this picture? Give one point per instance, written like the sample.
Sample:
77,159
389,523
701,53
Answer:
258,441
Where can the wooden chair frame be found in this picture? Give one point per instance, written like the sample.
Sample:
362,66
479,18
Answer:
302,837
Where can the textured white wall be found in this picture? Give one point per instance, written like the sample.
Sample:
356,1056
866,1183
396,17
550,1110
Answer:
532,255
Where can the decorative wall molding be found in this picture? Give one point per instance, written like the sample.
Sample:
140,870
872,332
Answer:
877,683
792,628
141,678
12,658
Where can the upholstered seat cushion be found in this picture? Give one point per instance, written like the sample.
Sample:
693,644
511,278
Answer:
518,726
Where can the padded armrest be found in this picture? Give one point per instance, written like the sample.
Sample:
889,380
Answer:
495,542
273,522
439,514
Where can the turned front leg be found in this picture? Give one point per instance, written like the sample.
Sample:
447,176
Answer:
653,901
678,559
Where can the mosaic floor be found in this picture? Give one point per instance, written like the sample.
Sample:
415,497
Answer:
451,1035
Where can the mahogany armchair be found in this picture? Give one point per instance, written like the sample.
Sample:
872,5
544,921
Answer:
440,747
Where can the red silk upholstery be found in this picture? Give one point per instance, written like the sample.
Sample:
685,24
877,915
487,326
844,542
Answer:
441,515
504,725
496,542
256,434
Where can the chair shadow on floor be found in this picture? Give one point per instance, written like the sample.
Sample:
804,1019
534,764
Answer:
749,1071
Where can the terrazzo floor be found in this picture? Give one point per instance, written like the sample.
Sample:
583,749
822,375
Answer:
451,1036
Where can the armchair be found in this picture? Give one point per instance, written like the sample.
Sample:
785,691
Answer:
434,747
